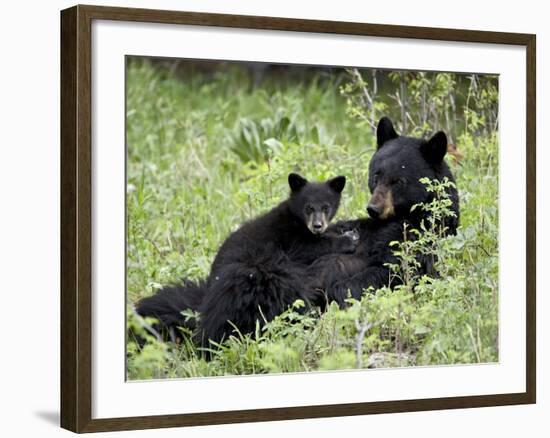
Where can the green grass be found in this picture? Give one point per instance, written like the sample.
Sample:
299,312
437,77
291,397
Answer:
206,152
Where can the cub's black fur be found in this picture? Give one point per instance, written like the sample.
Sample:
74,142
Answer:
259,270
395,171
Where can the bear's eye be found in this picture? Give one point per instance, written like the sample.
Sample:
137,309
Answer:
375,178
399,181
325,209
309,209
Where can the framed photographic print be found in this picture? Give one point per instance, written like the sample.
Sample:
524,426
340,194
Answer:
268,218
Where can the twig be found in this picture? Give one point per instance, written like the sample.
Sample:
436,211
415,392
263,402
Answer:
361,332
145,325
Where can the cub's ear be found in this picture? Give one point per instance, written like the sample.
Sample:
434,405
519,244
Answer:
385,131
435,148
296,182
337,184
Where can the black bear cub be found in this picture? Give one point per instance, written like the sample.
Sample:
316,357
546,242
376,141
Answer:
395,171
259,270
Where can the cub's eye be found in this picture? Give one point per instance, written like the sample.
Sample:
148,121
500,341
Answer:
309,209
375,178
325,209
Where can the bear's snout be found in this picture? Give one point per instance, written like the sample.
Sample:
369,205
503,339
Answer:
381,203
373,211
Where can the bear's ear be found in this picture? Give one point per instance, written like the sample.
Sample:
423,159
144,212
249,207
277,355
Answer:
435,148
337,184
296,182
385,131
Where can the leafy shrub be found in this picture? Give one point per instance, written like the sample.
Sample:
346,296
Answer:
253,139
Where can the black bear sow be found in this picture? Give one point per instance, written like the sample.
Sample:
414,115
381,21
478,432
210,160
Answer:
395,171
259,270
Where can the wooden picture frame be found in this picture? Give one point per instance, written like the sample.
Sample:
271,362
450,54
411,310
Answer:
76,217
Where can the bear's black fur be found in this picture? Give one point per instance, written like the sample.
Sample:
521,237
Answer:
395,171
166,306
259,270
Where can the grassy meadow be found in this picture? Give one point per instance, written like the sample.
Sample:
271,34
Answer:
210,146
